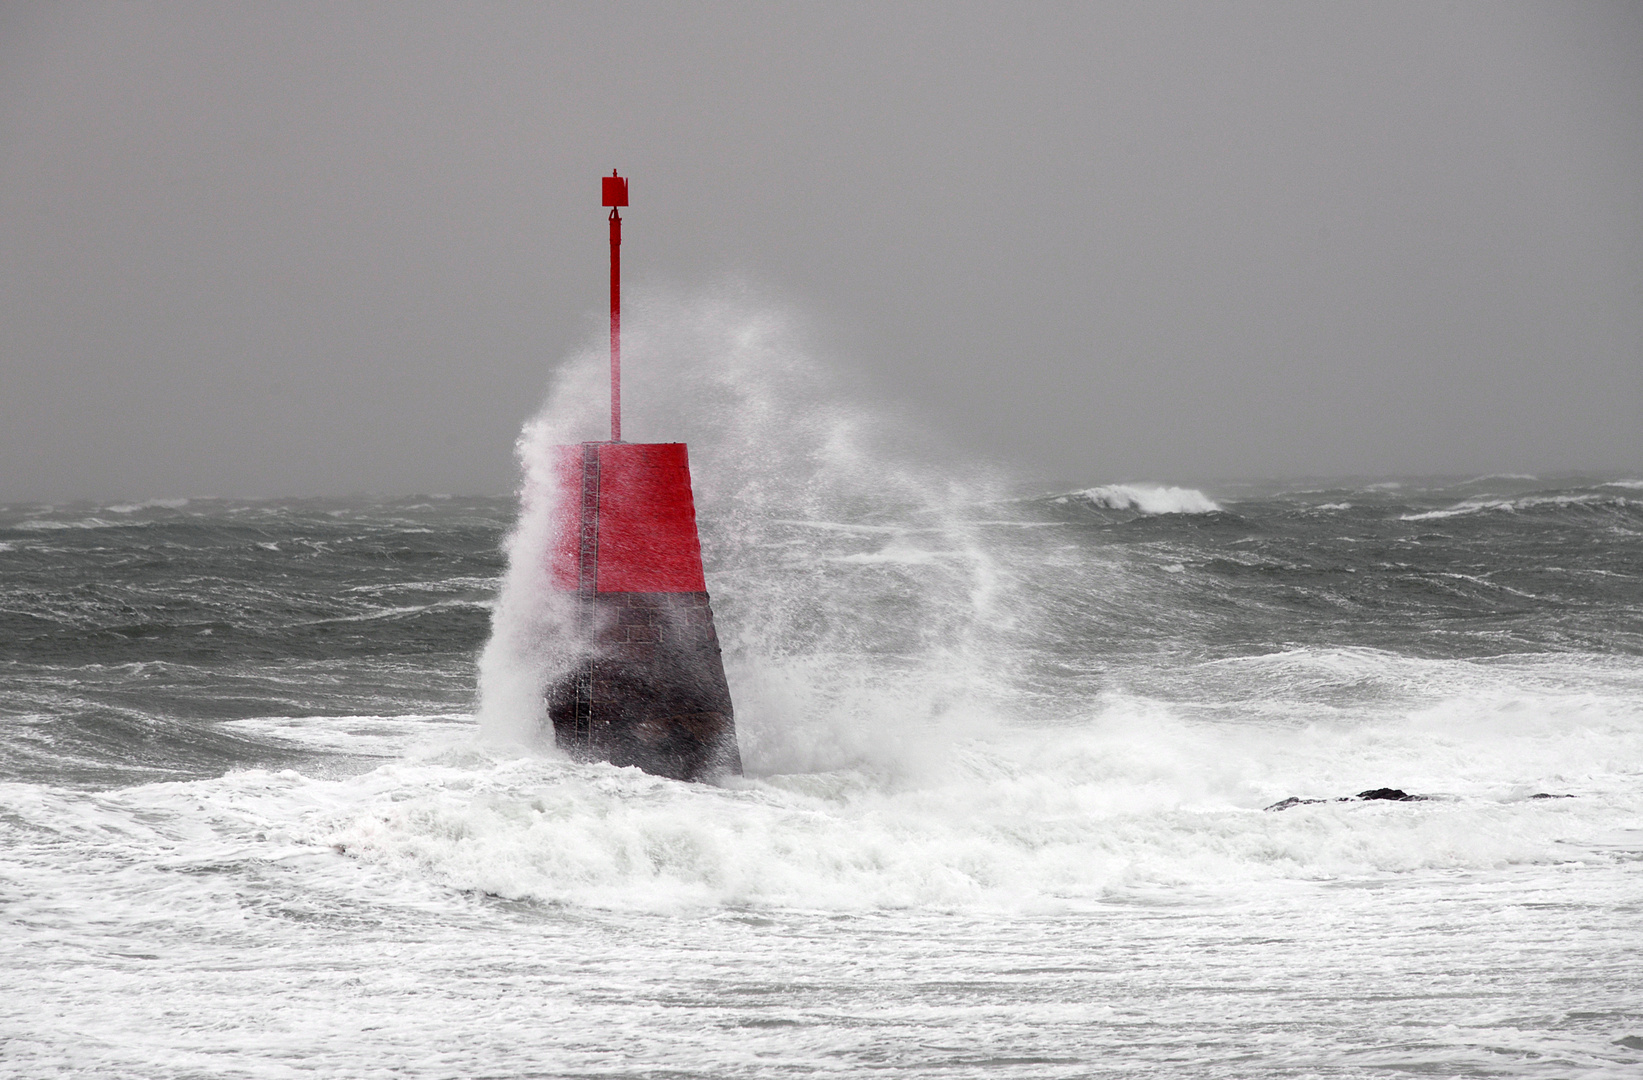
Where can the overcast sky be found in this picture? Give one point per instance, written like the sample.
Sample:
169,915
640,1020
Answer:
266,249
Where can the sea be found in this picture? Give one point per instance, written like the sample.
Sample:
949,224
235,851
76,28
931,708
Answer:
274,801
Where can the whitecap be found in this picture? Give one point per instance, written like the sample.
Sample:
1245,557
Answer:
1150,499
150,504
50,525
1528,502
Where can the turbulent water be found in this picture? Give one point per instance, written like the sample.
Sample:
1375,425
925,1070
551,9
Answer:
266,811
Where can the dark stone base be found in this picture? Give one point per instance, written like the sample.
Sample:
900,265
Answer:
1386,794
653,692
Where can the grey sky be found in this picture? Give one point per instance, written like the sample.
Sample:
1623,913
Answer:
292,248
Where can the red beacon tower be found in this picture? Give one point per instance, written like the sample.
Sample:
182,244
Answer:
648,688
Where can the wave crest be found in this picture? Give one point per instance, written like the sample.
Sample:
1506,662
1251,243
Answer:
1148,499
1585,500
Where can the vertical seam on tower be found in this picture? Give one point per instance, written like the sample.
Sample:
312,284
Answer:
587,569
587,585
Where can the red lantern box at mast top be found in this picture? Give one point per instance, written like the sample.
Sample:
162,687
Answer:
649,689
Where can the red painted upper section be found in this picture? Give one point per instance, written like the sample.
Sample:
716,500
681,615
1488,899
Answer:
614,190
646,520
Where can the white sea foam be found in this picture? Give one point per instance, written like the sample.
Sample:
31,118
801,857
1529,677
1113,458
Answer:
1135,797
1527,502
936,800
53,524
378,736
1068,897
1149,499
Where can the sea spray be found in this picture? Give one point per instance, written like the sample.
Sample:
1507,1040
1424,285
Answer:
853,596
531,643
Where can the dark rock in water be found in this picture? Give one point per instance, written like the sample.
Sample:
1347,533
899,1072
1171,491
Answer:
1294,800
1387,794
1630,1042
1390,794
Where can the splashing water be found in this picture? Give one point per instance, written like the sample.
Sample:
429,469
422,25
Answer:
1007,763
822,536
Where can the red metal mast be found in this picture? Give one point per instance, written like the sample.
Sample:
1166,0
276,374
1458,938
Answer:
615,190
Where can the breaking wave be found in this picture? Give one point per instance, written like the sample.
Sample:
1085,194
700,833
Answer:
1136,796
148,504
1147,498
1590,500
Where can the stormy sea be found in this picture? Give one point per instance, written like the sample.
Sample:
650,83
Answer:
272,803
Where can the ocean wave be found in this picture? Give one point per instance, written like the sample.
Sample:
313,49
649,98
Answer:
51,524
1527,502
149,504
1136,798
1147,498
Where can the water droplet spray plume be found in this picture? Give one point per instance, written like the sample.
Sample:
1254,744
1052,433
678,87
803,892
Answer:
855,605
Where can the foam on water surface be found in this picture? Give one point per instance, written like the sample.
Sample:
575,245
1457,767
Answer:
1008,759
1033,902
1043,822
